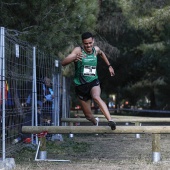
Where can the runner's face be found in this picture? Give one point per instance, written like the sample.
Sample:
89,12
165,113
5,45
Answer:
88,44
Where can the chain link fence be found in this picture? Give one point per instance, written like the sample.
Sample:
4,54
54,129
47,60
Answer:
32,91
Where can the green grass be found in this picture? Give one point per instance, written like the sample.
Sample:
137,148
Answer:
65,147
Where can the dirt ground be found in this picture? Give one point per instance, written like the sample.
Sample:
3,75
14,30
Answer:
106,152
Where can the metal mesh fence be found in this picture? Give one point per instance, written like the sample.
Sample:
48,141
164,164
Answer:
16,67
31,88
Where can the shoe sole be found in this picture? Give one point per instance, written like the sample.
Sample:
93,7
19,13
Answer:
112,125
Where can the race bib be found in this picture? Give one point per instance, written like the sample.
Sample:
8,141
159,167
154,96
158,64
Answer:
89,71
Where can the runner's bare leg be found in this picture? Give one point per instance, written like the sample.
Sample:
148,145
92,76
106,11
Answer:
95,93
86,107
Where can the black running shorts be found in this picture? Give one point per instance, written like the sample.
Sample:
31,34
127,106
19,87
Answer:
83,91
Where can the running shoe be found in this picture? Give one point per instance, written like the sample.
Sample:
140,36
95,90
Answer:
112,125
97,120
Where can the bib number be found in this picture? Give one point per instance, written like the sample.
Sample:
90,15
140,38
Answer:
89,71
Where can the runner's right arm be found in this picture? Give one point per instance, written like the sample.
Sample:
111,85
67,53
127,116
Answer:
74,56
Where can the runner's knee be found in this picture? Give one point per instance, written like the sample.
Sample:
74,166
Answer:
90,117
96,98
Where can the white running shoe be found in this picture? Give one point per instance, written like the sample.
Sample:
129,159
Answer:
97,120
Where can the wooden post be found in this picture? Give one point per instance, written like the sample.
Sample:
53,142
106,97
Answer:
42,149
156,156
42,143
137,124
71,135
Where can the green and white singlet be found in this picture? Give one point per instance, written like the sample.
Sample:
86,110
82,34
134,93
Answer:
85,70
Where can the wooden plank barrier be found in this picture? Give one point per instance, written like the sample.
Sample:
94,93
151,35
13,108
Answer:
113,116
132,120
119,119
155,131
96,129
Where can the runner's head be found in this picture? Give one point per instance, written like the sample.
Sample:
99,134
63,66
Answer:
88,41
86,35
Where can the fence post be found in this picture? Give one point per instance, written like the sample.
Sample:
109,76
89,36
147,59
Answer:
2,74
34,95
64,100
64,104
137,124
56,84
56,105
156,156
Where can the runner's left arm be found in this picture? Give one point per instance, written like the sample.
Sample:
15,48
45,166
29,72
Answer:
103,56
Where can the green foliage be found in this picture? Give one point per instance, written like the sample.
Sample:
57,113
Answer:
146,13
140,30
52,25
133,33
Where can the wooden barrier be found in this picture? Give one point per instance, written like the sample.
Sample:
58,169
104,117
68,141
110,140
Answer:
155,131
132,120
113,116
128,119
96,129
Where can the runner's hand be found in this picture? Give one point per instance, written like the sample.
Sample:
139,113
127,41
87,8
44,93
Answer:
79,57
112,73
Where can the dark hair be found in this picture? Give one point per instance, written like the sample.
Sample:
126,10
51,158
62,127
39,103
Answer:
86,35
